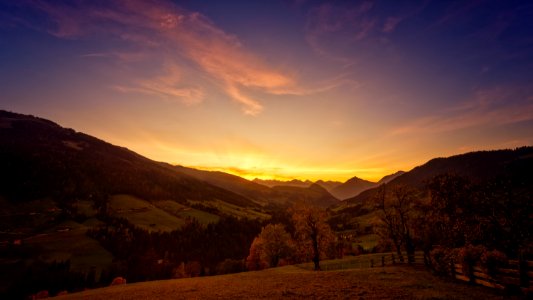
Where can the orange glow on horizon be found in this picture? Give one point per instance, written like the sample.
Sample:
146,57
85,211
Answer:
287,174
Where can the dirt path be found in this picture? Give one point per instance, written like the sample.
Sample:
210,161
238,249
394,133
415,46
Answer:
292,282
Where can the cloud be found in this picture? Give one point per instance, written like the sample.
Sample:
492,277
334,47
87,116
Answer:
391,23
494,107
158,29
327,20
168,87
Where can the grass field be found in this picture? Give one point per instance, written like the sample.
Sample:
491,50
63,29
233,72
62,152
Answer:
184,212
234,210
367,241
290,282
68,241
143,214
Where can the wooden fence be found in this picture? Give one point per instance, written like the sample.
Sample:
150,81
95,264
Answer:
366,261
518,275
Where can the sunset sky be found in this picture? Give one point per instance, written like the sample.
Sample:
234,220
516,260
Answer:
276,89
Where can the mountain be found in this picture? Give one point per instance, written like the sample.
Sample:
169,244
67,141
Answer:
236,184
314,195
476,166
339,190
352,187
328,185
293,183
284,195
41,159
388,178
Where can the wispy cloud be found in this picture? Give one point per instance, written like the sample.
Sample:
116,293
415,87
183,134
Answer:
161,29
391,23
327,19
168,87
493,107
332,26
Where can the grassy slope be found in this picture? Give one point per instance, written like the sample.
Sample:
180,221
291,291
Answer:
160,215
293,282
143,214
184,212
234,210
82,251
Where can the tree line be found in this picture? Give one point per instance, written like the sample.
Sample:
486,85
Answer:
455,219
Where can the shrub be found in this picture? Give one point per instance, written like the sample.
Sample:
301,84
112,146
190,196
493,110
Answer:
118,281
469,256
231,266
491,261
441,259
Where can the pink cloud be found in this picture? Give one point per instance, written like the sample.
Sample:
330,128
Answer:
162,29
391,23
328,19
484,108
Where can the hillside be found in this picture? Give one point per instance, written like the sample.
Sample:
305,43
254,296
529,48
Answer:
477,166
280,195
482,168
293,183
352,187
313,195
294,283
41,159
328,185
388,178
229,182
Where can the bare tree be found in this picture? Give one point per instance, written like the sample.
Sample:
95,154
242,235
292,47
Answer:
396,217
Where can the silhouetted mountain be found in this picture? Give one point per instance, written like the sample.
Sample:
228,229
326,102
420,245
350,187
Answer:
229,182
390,177
477,167
279,195
313,195
273,182
328,185
40,159
352,187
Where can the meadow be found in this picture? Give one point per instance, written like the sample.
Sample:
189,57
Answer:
292,282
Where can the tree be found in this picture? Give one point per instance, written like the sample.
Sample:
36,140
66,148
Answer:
396,215
452,210
269,247
313,234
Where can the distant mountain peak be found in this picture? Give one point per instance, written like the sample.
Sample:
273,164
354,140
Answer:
390,177
356,179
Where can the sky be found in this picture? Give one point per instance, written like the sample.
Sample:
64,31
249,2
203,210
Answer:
276,89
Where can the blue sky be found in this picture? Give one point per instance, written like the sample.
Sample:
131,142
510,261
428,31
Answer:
277,89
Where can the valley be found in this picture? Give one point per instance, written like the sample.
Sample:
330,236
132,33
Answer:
86,209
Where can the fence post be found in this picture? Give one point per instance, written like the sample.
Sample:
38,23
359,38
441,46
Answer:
372,263
522,269
452,269
382,261
393,260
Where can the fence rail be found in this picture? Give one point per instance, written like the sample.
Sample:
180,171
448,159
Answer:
366,261
516,274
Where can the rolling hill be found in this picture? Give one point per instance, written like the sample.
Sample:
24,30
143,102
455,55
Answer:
40,159
352,187
281,195
293,183
476,166
291,282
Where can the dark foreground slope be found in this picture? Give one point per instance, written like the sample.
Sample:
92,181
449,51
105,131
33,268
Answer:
477,167
281,195
294,283
41,159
